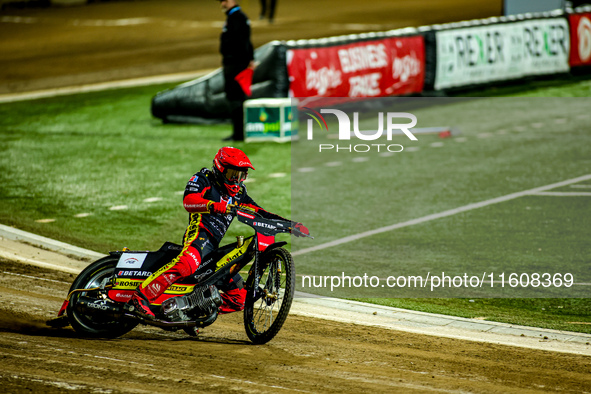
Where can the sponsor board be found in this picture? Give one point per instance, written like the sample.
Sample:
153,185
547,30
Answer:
265,241
269,119
234,254
131,260
132,284
384,67
246,215
127,284
580,33
179,289
120,296
487,53
134,273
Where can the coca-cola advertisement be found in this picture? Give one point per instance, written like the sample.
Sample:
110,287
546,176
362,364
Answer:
384,67
580,32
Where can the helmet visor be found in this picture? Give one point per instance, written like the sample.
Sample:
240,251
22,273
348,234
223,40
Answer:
235,176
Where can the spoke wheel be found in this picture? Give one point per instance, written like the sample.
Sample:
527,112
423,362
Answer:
266,308
94,325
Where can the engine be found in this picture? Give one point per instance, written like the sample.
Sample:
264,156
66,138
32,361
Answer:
204,300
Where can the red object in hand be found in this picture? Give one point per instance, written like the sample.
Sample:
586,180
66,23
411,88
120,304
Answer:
244,79
219,207
301,228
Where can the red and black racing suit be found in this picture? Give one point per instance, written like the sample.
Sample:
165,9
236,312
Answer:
203,235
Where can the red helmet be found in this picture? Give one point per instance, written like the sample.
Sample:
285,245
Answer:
230,167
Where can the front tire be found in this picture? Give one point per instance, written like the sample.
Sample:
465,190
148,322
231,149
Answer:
94,325
265,313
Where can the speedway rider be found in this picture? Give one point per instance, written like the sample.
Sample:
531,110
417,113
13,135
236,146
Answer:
209,198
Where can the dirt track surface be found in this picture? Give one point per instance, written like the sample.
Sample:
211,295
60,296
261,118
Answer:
42,48
308,355
49,48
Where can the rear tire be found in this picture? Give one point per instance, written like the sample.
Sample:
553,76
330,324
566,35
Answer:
264,317
94,325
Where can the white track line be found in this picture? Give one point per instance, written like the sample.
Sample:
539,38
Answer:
13,257
563,194
35,277
111,22
128,83
118,208
277,175
440,215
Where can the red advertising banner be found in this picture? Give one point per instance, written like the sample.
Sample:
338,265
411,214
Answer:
580,33
384,67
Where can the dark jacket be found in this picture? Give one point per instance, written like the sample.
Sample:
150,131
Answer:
236,49
203,187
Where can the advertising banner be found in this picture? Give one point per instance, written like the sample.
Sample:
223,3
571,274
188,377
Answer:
269,120
506,51
384,67
580,33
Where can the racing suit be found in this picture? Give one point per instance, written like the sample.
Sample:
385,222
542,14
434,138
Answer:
203,235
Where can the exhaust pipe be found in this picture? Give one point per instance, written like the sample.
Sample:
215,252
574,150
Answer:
92,305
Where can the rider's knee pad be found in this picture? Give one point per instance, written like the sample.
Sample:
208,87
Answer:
189,261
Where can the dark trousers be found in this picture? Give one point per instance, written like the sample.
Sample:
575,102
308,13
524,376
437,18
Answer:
237,116
236,97
272,4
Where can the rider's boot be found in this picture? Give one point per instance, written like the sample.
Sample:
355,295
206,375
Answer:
147,294
141,306
233,296
233,301
154,286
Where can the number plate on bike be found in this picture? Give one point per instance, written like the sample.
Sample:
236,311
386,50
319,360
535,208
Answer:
131,260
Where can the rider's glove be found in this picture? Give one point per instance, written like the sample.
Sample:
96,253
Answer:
220,207
302,229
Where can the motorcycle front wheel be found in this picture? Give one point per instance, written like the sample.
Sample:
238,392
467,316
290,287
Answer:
266,309
94,324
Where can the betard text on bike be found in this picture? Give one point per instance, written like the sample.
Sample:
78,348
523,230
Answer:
388,124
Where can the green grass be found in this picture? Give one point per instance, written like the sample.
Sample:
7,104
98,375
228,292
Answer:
85,153
571,314
525,235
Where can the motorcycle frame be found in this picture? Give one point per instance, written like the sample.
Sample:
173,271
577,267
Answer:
256,246
259,244
226,259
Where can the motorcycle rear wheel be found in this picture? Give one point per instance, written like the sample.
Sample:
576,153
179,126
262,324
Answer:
94,325
265,313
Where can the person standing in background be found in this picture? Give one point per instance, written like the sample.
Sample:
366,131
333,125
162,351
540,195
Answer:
271,15
237,56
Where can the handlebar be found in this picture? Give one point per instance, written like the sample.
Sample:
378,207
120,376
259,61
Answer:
298,233
262,224
236,208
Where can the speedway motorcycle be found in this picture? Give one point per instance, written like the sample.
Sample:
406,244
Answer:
96,305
